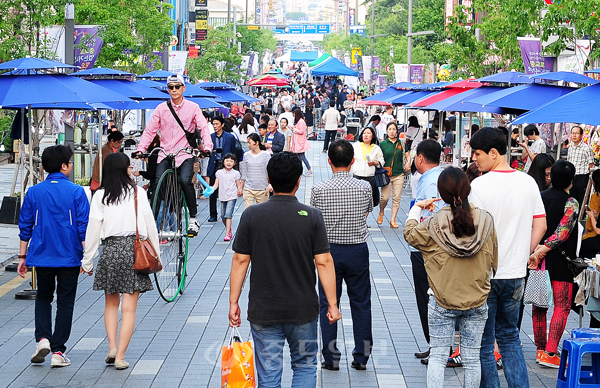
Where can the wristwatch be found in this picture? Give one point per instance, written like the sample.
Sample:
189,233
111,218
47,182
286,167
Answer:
22,256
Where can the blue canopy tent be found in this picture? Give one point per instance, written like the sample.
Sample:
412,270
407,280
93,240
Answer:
303,56
580,106
215,85
332,66
507,77
566,76
103,71
522,97
233,95
459,102
34,66
411,96
130,89
157,75
384,97
402,85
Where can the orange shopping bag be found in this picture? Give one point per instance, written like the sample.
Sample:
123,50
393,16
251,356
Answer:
237,363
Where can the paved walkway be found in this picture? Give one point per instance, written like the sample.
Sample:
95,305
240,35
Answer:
178,344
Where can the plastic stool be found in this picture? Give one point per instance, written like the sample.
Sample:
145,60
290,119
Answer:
586,332
572,375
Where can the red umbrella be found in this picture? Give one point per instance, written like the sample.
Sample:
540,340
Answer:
268,81
452,89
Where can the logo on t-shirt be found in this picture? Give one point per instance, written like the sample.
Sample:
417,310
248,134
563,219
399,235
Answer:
303,213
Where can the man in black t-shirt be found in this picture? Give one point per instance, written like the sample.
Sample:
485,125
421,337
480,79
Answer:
284,240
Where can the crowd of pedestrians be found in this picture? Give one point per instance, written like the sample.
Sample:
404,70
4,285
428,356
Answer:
471,243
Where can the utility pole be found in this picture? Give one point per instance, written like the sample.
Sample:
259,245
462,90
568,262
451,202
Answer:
373,26
246,16
410,34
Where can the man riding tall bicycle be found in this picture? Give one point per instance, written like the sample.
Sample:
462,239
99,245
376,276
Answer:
175,118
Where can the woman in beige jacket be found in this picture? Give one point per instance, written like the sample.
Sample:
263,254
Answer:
460,250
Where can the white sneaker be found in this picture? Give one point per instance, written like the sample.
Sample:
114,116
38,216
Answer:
41,351
59,360
193,227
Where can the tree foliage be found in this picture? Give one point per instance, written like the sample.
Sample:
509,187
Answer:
20,25
131,29
569,20
218,60
498,49
258,41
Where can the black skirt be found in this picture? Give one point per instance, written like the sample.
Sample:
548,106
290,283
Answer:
374,188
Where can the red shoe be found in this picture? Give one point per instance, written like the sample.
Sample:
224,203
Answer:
550,361
538,355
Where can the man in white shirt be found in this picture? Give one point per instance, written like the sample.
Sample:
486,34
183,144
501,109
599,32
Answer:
287,115
332,118
513,199
538,146
388,116
286,99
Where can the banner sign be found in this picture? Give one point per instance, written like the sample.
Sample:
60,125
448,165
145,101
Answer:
87,47
401,72
351,17
533,60
177,61
416,74
250,63
201,24
201,3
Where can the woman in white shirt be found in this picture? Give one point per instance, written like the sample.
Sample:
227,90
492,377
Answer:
244,129
112,217
254,179
367,156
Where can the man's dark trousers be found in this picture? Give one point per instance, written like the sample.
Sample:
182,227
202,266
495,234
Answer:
64,280
421,287
352,266
212,200
329,136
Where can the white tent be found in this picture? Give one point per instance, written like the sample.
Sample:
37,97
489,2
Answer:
284,58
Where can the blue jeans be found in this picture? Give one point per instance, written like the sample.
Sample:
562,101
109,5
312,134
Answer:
503,314
302,157
227,208
268,353
441,330
64,281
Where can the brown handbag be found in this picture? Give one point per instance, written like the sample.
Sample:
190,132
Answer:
389,169
146,258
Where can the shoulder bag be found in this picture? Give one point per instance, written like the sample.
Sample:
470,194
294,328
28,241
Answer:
190,136
146,258
577,265
381,177
389,169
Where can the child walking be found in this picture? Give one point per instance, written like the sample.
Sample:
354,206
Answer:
228,180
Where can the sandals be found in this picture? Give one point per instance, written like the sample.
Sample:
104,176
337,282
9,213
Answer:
380,219
393,225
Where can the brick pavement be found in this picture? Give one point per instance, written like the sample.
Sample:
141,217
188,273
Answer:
178,344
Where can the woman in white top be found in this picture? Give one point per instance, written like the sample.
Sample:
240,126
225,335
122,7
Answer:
414,134
255,184
287,132
368,156
112,216
244,129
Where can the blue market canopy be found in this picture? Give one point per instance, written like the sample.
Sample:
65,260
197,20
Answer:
102,71
458,102
412,96
131,89
157,74
205,103
522,97
233,95
190,90
27,64
384,97
152,84
303,56
566,76
215,85
433,86
595,71
402,85
580,106
509,77
331,66
48,90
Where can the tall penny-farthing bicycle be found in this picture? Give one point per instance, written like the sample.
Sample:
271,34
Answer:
171,215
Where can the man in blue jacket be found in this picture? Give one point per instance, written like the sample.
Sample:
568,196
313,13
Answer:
226,142
52,224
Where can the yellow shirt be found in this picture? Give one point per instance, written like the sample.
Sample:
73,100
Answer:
594,205
366,150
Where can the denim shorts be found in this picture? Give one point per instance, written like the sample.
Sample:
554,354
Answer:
227,208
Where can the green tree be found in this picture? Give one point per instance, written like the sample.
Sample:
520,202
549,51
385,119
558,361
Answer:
569,20
131,29
20,24
258,41
217,61
498,48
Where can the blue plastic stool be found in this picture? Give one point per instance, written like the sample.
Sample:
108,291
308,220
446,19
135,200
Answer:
572,375
585,332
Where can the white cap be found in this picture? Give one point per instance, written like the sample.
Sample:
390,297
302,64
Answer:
175,78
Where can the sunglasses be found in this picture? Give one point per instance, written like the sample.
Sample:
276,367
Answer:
171,87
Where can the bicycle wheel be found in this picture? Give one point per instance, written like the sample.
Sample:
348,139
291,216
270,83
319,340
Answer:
171,215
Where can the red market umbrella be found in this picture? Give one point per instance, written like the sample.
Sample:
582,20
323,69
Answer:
452,89
268,81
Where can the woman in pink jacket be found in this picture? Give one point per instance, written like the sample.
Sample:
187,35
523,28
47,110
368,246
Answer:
299,142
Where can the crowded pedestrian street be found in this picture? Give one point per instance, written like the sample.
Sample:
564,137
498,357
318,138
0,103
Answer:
179,344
